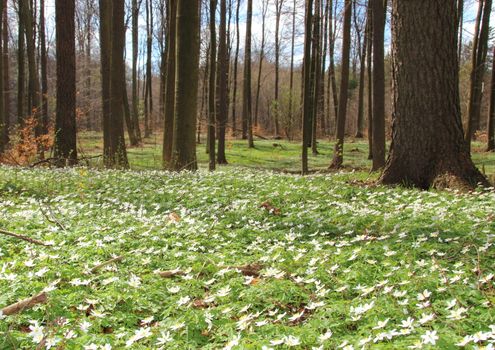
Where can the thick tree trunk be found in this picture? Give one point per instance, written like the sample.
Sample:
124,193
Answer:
118,153
186,86
378,14
168,132
212,103
428,148
222,82
338,156
65,121
247,104
307,100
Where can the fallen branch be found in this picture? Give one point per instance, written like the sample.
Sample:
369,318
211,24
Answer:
25,304
169,274
24,238
108,262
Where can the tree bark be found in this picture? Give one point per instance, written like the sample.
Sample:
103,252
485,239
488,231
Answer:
168,132
105,64
212,68
135,48
6,75
378,13
44,71
338,156
65,121
118,153
222,82
236,63
307,100
278,14
491,114
363,47
186,86
428,148
247,104
21,69
3,116
264,9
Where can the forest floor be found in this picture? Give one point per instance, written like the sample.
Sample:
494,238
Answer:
278,155
243,258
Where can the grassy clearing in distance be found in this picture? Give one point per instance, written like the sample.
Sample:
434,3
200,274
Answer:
266,155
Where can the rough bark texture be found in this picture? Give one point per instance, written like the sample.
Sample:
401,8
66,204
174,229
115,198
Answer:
428,148
168,132
65,121
222,82
338,155
118,153
186,86
6,74
378,14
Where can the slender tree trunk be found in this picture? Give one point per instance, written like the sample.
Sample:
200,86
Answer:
89,108
186,87
278,14
264,10
307,100
44,71
247,105
370,84
428,148
21,68
378,13
3,116
148,97
236,63
362,70
211,86
106,59
291,83
338,156
331,71
491,114
33,81
135,49
65,121
6,73
315,64
222,82
118,153
480,49
168,132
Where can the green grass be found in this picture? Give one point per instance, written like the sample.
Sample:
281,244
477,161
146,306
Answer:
285,156
337,259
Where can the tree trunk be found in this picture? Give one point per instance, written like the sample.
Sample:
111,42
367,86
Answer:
264,10
211,86
428,148
105,63
186,86
315,64
331,53
21,69
291,79
247,105
168,132
236,63
307,100
222,82
44,72
491,114
278,14
135,48
3,116
362,70
480,49
338,156
148,99
370,84
378,14
65,121
118,153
